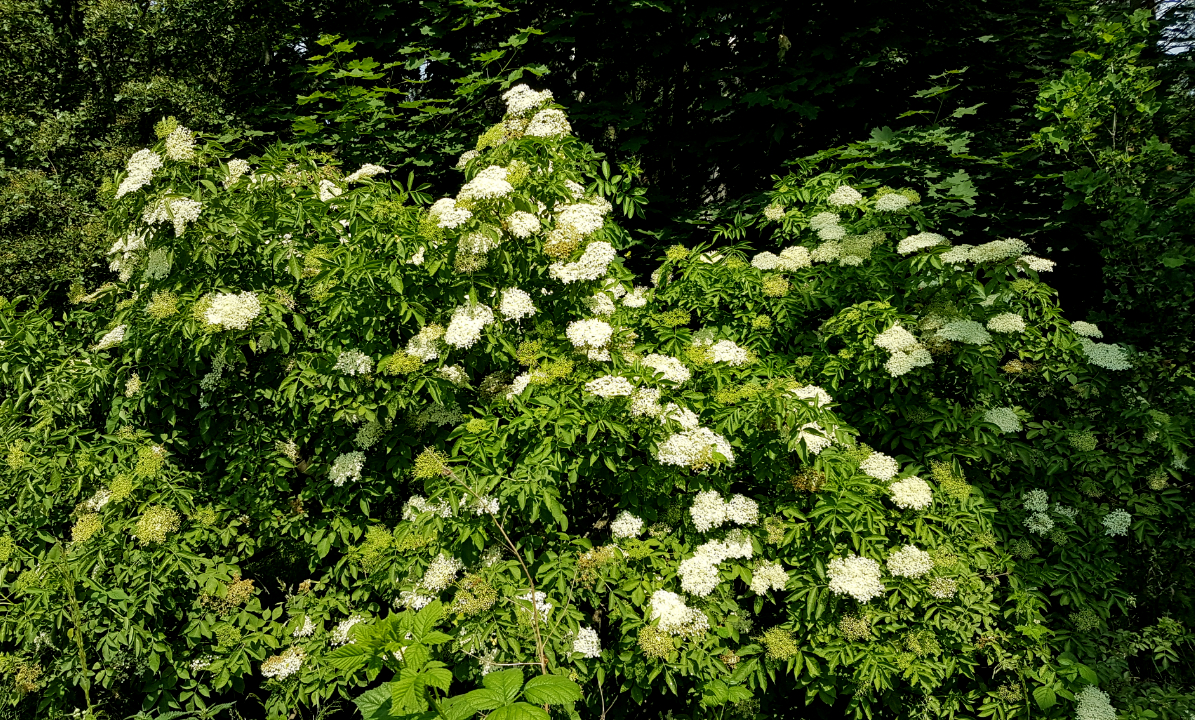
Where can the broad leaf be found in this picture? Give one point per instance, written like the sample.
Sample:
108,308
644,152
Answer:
506,683
551,690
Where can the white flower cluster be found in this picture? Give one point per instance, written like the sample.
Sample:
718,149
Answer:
1004,418
413,600
418,505
1039,523
180,144
465,157
236,170
1066,511
440,573
813,395
539,602
815,437
789,259
965,331
699,574
636,298
454,374
112,338
425,345
880,466
157,266
694,448
729,352
488,184
354,362
600,304
825,224
856,576
97,501
127,251
891,202
464,330
305,629
1036,501
447,215
516,304
709,510
769,575
368,170
576,188
1117,523
233,311
180,211
521,99
282,666
548,123
522,224
592,264
676,618
943,588
844,195
609,386
774,212
329,190
1106,355
340,635
997,250
347,466
139,172
646,401
485,505
1007,323
587,643
920,241
581,219
1086,329
672,369
589,334
911,493
684,417
626,525
908,561
1035,263
905,353
1094,704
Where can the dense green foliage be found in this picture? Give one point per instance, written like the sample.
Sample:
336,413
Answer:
312,403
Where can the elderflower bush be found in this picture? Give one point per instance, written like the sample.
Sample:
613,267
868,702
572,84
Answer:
378,435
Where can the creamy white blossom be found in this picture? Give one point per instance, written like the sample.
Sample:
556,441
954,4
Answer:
626,525
587,643
354,362
425,345
844,195
521,99
180,144
856,576
1007,323
1036,501
891,202
911,493
112,338
539,601
440,573
815,437
742,510
769,575
920,241
447,215
464,330
1116,523
880,466
488,184
774,212
516,304
1093,704
340,635
1039,523
1004,418
589,334
233,311
347,466
329,190
305,629
609,386
900,362
454,374
1035,263
813,395
965,331
698,575
708,510
368,170
998,250
139,172
237,168
465,157
180,211
1106,355
694,448
895,339
592,264
729,352
674,616
668,367
909,561
417,505
282,666
522,224
548,123
1086,329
